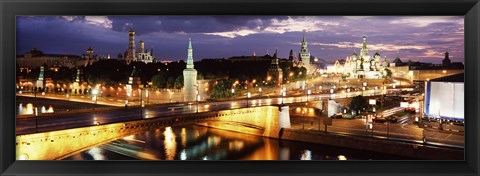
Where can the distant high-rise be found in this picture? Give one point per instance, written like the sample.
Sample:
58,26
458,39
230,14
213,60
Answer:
190,86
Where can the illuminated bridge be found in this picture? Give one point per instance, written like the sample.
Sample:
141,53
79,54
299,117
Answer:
262,121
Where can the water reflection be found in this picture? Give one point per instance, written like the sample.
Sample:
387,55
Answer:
30,109
170,144
192,142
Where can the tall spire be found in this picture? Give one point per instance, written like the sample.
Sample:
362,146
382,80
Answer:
364,49
364,42
190,54
304,37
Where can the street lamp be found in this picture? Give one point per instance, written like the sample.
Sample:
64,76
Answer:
95,92
363,90
331,93
198,101
141,103
248,97
146,95
303,118
233,94
308,93
260,90
197,96
283,96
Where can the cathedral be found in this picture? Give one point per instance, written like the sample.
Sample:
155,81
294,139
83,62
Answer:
142,55
361,65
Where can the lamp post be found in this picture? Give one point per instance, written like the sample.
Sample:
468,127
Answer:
260,90
331,93
283,96
248,97
197,96
303,118
233,94
308,93
95,92
36,119
146,95
141,103
363,90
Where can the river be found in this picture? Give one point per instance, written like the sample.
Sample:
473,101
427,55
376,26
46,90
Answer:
191,142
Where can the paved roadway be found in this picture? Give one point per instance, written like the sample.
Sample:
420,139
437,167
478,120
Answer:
404,130
66,121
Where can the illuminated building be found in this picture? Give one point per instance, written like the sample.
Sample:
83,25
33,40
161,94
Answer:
190,85
36,58
304,55
275,71
134,82
361,65
444,97
130,54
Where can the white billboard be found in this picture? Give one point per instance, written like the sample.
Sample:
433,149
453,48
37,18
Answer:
445,99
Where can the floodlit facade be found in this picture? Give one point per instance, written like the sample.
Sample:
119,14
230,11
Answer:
190,86
131,55
361,65
444,97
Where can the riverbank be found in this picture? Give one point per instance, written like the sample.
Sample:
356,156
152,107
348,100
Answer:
407,149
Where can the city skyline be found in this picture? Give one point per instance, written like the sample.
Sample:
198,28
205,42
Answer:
331,38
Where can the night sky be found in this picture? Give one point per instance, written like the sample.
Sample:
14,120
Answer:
330,37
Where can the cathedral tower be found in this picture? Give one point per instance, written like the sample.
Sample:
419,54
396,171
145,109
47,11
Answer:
141,46
190,85
446,61
304,54
275,71
41,81
131,47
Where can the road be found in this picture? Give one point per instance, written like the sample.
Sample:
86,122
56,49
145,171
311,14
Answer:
404,130
66,121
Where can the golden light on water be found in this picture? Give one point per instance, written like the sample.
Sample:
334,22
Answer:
170,144
184,137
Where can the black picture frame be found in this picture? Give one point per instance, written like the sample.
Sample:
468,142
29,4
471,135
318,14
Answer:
9,9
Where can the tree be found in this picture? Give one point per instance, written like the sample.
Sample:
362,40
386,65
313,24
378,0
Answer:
170,82
159,81
178,82
389,73
358,103
222,89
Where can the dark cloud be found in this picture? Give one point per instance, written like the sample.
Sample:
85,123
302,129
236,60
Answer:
168,35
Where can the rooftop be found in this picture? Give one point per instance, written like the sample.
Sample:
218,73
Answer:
452,78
